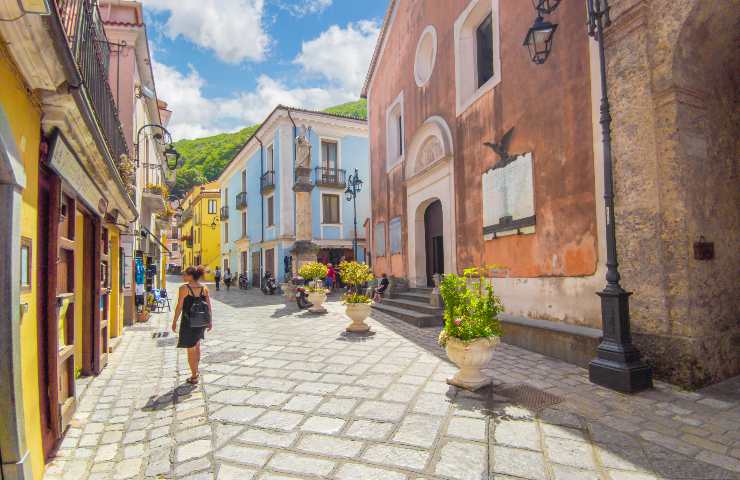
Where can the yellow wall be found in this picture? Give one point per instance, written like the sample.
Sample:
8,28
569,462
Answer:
25,119
79,287
209,239
115,306
163,263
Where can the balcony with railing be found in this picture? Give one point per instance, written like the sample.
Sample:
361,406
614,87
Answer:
267,182
241,201
224,214
89,46
186,216
330,177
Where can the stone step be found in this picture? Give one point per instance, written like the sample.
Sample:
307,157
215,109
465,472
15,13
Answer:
417,319
413,296
415,305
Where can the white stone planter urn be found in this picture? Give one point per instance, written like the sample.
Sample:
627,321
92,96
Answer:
470,357
317,299
358,313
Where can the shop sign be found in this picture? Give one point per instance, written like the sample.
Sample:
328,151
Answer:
66,164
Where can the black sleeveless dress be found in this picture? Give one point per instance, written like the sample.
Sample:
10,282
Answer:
189,336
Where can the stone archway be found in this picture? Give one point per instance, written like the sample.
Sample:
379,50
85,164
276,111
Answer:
430,178
676,174
12,434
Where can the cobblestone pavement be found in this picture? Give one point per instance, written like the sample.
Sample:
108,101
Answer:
286,395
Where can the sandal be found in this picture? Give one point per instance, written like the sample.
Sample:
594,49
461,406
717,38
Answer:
193,380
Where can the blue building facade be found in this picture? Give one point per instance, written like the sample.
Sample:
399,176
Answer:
258,215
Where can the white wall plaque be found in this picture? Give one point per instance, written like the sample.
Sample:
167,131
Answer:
508,198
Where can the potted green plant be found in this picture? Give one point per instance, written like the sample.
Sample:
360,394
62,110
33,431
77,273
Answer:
472,328
314,273
357,305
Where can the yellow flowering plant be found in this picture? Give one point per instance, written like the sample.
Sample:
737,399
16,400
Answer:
355,274
313,273
471,309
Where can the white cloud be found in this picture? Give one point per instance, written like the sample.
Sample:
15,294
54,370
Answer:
341,55
233,29
305,7
333,68
195,116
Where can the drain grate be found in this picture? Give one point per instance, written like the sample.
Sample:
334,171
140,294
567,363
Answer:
530,397
160,335
223,357
167,342
141,328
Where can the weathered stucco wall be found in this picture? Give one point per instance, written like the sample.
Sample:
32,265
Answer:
549,106
676,119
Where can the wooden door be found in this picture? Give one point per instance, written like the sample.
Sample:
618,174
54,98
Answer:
270,262
256,269
244,263
104,302
56,333
433,240
93,359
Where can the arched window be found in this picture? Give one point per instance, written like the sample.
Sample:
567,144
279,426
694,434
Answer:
477,52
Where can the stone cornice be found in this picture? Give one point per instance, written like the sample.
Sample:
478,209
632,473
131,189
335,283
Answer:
625,21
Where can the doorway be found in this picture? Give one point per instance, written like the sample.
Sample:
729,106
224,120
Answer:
434,241
270,262
256,269
56,319
244,263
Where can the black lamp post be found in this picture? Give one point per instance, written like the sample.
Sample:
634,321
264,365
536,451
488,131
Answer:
539,40
354,186
163,137
617,364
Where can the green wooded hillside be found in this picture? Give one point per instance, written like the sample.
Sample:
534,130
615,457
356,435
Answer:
205,158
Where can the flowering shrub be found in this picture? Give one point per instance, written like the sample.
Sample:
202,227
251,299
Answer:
355,275
158,189
356,298
471,308
313,271
167,213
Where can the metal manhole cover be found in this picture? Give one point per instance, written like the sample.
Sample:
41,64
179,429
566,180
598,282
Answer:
167,342
223,357
141,328
530,397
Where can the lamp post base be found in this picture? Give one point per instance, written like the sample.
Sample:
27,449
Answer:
622,377
618,364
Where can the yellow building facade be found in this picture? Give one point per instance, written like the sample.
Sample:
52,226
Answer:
200,232
24,159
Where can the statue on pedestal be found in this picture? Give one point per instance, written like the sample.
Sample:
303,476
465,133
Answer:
304,249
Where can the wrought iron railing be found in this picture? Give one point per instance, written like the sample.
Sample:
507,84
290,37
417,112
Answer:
186,215
330,177
241,201
90,48
224,215
267,182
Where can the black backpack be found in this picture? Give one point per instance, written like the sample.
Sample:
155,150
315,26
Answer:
199,314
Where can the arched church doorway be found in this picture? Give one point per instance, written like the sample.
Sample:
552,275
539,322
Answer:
434,240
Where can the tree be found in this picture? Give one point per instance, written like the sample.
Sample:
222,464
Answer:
187,178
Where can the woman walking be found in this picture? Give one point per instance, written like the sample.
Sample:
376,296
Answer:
194,303
217,277
228,278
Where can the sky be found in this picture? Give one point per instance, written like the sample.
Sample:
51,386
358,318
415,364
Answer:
222,65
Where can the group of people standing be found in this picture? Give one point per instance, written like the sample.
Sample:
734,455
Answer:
226,276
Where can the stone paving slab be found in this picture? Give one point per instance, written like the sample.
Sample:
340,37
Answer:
285,395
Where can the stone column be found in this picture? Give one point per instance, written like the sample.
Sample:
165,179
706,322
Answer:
304,250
